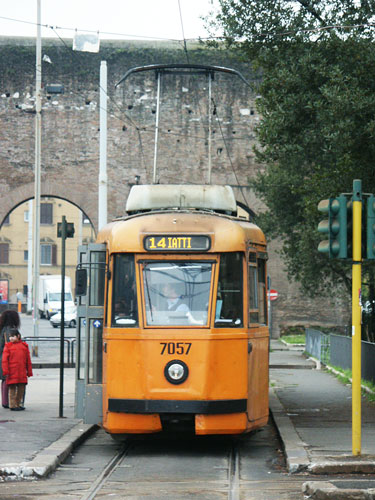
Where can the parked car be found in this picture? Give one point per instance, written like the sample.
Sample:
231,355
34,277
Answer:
70,318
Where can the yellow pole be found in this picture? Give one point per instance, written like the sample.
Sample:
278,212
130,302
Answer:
356,317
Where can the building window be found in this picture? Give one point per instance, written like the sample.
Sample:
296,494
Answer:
46,213
4,253
48,255
26,216
25,255
6,220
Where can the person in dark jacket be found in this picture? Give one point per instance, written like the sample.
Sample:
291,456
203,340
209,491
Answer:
16,365
9,319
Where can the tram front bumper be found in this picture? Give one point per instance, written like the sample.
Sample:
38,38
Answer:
147,406
143,416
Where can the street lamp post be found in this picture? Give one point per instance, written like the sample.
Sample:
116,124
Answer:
36,212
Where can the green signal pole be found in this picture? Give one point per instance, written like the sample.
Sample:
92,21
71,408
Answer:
356,317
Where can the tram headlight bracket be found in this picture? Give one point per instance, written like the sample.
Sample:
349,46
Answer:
176,371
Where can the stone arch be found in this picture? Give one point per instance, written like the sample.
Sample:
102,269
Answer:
25,193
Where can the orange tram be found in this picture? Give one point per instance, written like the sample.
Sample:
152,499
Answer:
172,317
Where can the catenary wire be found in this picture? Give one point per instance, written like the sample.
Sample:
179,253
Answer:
183,33
217,37
229,157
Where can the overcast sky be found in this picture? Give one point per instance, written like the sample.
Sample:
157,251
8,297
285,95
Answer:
129,18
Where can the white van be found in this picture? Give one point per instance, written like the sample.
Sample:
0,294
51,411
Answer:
49,301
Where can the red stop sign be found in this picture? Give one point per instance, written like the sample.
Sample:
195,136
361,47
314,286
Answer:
273,294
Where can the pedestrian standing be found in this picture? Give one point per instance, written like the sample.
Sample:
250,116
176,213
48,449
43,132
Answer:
16,365
9,319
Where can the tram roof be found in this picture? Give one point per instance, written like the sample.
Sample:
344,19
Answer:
226,233
145,198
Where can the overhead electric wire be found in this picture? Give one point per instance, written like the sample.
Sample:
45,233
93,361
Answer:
128,120
131,121
218,37
229,157
49,26
183,33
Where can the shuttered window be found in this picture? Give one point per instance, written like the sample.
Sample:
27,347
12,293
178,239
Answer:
48,255
46,213
4,253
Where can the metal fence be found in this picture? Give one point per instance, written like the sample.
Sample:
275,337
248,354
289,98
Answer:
337,351
49,349
318,344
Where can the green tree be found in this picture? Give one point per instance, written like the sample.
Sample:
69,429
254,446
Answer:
317,134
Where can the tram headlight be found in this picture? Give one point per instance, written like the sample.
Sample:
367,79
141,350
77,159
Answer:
176,371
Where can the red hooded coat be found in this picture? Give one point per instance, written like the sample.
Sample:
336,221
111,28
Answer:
16,363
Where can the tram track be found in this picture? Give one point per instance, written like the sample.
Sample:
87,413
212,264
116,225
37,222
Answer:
106,473
117,460
234,474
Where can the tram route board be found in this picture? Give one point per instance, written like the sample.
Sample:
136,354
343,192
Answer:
160,243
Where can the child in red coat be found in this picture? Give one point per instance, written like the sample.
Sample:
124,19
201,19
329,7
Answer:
16,365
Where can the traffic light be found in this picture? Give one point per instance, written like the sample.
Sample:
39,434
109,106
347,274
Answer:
336,227
370,227
69,229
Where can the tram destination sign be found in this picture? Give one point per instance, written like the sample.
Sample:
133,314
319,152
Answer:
174,243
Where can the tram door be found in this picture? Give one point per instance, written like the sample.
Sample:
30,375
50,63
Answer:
90,311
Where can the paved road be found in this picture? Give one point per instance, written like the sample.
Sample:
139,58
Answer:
44,327
213,468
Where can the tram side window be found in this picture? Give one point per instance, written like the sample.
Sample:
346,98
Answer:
229,302
124,298
253,288
262,292
257,290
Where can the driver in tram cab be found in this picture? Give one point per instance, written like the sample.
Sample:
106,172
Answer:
176,304
174,301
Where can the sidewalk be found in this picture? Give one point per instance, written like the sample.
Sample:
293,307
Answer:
313,413
33,442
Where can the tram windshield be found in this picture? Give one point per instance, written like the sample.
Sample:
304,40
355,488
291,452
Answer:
177,293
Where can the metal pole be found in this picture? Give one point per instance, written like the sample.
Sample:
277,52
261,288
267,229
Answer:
156,128
62,326
30,259
356,317
209,126
102,207
38,128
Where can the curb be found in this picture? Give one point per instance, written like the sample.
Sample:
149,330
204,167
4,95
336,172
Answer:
293,347
291,367
37,365
296,456
47,460
348,466
328,491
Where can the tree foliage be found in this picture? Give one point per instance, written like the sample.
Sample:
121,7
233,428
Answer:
317,102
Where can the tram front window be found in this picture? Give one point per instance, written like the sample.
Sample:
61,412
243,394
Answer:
177,293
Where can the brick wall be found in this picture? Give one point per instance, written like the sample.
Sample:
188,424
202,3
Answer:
70,134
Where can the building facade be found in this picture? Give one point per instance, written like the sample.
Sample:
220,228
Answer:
16,244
